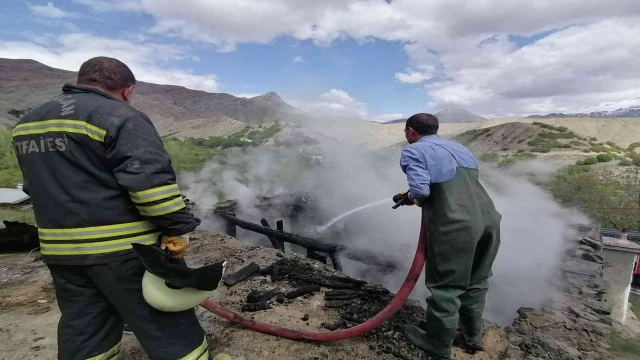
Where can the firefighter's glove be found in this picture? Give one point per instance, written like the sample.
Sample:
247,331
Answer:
175,245
403,198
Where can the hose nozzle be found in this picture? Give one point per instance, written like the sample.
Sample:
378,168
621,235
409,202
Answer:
401,199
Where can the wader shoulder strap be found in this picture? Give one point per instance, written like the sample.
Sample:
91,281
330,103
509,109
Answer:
447,150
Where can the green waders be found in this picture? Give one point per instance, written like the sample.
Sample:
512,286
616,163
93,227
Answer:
463,229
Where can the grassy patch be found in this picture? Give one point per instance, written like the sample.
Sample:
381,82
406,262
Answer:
635,307
13,214
612,202
188,155
468,137
510,160
10,174
622,346
490,157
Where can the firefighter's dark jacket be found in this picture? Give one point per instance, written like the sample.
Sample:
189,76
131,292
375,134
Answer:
99,178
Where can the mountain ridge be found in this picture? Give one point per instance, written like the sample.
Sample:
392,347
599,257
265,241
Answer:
26,84
450,116
632,111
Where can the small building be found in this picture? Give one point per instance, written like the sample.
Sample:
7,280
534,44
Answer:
13,196
622,256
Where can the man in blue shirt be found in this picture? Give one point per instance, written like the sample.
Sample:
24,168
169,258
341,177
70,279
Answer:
463,234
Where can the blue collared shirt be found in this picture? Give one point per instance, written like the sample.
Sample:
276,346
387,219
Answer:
432,160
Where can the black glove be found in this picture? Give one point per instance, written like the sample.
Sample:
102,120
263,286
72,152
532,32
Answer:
402,199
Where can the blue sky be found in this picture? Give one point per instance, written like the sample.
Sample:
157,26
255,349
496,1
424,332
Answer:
367,59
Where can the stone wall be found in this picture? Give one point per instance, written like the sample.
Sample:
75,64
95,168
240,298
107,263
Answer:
619,274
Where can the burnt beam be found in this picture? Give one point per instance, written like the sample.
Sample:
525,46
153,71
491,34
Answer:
362,255
274,242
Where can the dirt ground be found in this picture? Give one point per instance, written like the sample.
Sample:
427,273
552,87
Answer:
29,313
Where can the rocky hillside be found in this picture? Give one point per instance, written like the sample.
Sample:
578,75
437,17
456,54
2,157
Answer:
516,141
25,84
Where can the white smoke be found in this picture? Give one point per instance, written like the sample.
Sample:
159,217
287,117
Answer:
534,227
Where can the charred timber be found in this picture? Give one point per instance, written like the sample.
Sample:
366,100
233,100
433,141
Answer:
242,274
318,280
303,290
337,303
334,326
256,307
261,296
362,255
341,297
274,242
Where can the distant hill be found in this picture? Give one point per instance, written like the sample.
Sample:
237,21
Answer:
451,116
25,84
626,112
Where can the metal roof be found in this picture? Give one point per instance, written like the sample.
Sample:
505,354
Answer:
12,196
619,244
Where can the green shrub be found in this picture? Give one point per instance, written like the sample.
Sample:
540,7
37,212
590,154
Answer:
541,149
555,135
634,146
577,169
544,126
598,149
577,143
586,151
593,138
590,160
520,151
561,128
579,162
636,161
490,157
604,157
625,162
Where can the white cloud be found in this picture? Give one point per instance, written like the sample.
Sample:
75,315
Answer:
112,5
461,48
246,95
412,76
298,59
334,104
577,67
149,61
49,10
386,117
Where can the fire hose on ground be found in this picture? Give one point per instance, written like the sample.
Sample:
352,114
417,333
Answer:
386,313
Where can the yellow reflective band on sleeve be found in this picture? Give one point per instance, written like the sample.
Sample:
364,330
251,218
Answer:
95,232
164,208
154,194
198,352
70,126
111,354
100,247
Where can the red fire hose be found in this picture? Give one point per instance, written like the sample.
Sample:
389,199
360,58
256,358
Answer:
374,322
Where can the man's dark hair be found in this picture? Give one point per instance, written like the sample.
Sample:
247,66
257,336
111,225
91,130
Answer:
423,124
108,73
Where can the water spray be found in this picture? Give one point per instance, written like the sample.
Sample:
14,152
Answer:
394,305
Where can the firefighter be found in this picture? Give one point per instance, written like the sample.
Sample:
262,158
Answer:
463,236
100,180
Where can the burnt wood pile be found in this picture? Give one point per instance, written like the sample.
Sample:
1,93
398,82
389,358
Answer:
355,300
18,236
